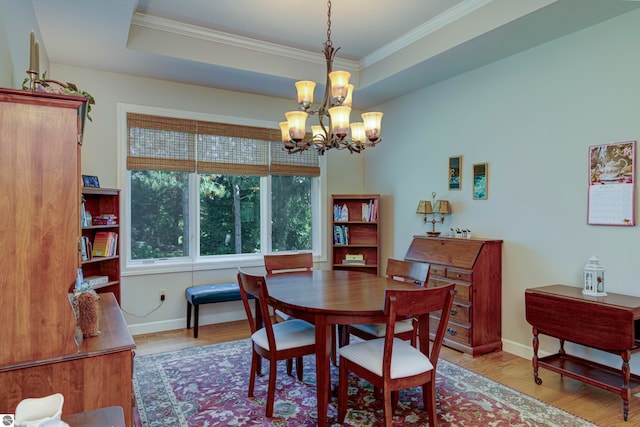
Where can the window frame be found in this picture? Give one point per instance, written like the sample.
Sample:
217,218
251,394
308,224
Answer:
195,262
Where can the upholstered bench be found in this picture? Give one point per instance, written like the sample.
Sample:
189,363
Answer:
206,294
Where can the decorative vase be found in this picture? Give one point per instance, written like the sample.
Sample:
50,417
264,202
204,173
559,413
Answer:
40,412
88,313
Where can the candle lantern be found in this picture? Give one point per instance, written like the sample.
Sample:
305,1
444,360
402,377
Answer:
594,278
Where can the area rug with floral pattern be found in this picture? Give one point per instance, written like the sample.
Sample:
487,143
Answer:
207,386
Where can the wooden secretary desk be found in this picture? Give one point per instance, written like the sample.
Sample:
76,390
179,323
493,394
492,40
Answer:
610,324
40,201
475,267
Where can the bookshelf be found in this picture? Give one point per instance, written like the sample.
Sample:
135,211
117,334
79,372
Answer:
103,206
356,232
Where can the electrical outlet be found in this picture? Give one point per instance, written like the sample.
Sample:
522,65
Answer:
163,294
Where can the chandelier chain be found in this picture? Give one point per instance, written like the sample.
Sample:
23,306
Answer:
329,43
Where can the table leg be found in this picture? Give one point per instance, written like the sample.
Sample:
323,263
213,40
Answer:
625,392
323,360
534,360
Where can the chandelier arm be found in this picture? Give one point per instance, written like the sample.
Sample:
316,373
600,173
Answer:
329,54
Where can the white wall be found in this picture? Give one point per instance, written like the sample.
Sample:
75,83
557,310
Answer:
17,20
532,117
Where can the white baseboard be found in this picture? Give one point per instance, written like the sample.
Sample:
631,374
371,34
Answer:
521,350
181,323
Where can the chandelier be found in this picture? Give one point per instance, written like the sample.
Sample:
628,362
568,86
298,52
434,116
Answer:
333,113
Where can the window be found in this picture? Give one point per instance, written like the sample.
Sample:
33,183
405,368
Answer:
229,214
200,190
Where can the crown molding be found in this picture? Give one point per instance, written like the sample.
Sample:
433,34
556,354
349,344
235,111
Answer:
241,42
450,15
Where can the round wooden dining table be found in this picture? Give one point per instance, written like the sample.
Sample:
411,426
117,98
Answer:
327,298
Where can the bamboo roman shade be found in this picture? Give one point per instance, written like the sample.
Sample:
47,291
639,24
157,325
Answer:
184,145
304,163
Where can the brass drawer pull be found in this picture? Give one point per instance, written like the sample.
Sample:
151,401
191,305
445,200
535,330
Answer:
451,331
454,311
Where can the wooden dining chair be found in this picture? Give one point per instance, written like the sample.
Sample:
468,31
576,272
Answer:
405,271
392,364
287,263
283,263
291,263
274,342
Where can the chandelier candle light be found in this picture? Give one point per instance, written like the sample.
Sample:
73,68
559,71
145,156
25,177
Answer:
335,108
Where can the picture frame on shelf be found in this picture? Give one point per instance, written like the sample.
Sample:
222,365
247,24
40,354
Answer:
90,181
480,181
455,173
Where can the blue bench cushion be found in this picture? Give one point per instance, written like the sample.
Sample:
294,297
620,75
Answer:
205,294
218,292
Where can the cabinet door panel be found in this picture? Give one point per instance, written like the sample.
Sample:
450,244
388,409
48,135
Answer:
39,225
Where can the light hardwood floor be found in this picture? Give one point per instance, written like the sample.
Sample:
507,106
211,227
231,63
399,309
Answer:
598,406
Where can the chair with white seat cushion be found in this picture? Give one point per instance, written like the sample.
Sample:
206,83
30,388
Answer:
392,364
406,271
293,263
280,341
287,263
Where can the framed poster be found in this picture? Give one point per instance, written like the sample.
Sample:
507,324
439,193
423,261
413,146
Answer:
612,184
480,181
455,173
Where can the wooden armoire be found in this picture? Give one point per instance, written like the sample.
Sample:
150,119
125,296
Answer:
40,200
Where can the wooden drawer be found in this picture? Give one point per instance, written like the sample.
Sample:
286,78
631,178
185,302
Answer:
460,313
463,290
438,270
462,275
454,332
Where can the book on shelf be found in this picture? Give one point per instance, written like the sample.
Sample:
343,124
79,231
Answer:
85,217
89,248
83,247
340,235
354,257
79,278
100,243
340,213
105,219
105,243
113,244
354,261
370,211
96,281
